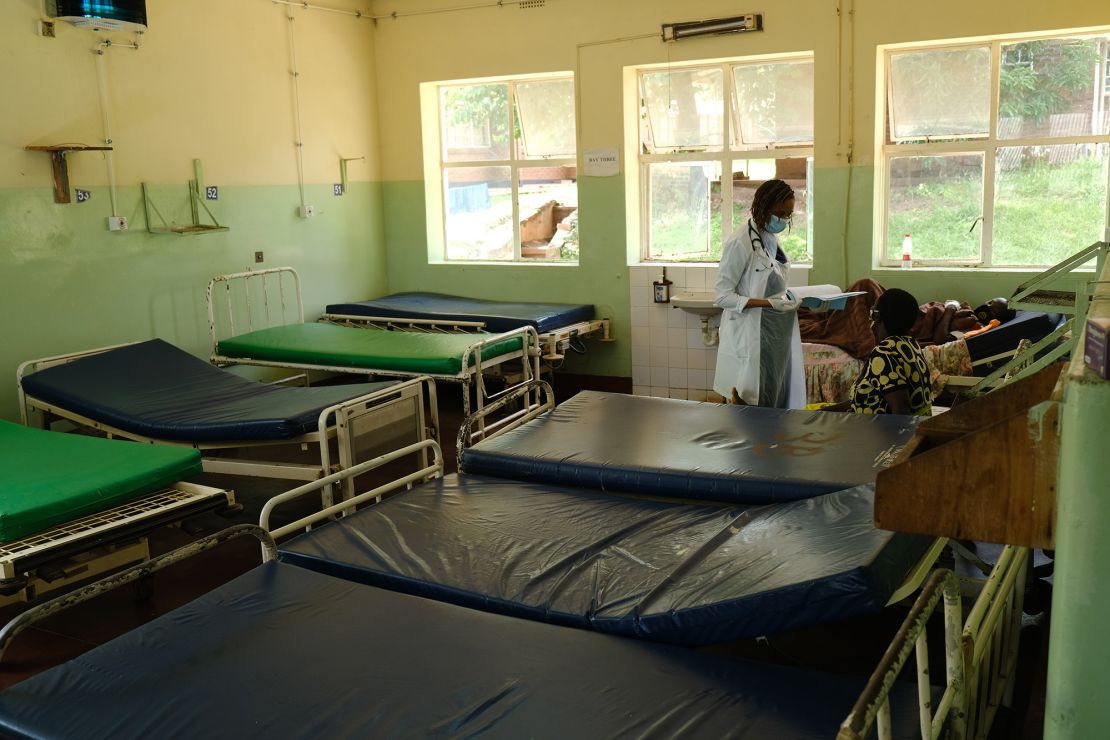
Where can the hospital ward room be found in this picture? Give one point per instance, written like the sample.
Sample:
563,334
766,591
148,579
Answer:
555,369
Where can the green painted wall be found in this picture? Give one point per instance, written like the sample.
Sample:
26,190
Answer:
68,284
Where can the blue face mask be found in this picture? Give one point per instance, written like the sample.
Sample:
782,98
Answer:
776,224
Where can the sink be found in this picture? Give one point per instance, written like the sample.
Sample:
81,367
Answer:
700,304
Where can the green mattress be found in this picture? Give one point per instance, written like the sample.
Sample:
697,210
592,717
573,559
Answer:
51,478
368,349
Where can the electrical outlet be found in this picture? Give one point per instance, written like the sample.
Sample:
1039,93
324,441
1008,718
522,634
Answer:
258,256
117,223
46,29
307,211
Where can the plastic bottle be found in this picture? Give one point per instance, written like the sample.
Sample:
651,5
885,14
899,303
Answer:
907,252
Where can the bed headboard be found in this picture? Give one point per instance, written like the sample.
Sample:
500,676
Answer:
245,301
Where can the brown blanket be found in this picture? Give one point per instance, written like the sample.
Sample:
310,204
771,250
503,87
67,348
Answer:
850,328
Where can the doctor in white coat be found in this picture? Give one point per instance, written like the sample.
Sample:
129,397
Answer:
760,350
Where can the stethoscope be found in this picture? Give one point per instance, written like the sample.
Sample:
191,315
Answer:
753,234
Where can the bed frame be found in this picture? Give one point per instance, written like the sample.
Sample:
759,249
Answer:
980,657
260,299
353,426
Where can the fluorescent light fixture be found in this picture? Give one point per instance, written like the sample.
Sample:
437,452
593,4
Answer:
716,27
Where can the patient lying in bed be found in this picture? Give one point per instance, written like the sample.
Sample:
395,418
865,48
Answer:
849,328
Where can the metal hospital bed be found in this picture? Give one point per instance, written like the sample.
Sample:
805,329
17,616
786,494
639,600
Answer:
74,506
271,300
561,326
153,391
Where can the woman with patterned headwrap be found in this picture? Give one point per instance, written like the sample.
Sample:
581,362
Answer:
895,377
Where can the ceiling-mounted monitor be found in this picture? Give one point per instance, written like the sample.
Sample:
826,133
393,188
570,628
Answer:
100,15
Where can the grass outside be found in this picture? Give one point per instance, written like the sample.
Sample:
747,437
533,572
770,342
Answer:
1043,213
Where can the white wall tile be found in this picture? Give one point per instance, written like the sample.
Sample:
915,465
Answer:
660,391
676,338
640,354
638,277
678,377
660,336
640,296
659,314
659,356
696,395
695,278
640,390
676,317
641,316
679,393
676,275
694,339
641,375
676,357
697,379
693,321
660,376
695,358
641,337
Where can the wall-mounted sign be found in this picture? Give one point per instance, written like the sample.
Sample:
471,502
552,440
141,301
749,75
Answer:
337,189
603,162
82,195
212,192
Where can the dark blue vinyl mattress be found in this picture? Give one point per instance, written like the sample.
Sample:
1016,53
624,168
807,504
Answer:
285,652
1031,325
156,390
690,450
679,573
499,316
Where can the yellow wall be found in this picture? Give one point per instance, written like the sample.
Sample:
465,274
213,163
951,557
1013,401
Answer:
211,81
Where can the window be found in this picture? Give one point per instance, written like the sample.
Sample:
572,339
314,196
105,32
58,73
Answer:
709,135
504,184
994,153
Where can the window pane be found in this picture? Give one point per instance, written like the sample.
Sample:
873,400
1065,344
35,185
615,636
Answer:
479,213
475,122
1050,202
774,103
944,93
937,200
749,174
546,118
680,210
1050,88
549,213
683,110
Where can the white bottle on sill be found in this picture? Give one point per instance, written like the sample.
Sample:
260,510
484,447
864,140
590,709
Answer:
907,252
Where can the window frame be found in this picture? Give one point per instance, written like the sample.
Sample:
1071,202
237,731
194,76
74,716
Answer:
889,147
731,149
435,127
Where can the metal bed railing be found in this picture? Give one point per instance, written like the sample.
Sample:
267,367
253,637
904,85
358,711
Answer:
980,657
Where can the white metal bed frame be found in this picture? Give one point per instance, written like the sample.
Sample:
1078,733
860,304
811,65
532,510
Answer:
353,422
980,657
290,309
555,342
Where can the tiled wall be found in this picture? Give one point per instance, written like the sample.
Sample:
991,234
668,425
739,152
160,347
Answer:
669,356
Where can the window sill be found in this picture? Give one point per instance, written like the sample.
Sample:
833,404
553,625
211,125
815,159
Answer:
537,263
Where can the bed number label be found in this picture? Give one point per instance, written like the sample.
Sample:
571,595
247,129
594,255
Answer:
212,192
337,189
82,195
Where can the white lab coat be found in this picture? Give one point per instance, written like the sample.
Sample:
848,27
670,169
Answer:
743,274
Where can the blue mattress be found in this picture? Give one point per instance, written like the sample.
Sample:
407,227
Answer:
679,573
285,652
1031,325
499,316
157,390
690,450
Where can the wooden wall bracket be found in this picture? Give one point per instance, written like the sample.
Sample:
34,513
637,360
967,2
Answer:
60,168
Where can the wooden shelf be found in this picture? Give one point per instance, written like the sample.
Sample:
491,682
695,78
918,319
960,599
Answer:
985,470
59,166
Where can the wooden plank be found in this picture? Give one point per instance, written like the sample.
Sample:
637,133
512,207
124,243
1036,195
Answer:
988,474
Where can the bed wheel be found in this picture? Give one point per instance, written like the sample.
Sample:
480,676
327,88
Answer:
12,586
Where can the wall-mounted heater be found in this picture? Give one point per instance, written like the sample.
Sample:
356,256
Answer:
715,27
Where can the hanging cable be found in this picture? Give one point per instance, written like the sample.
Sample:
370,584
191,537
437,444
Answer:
106,121
299,143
